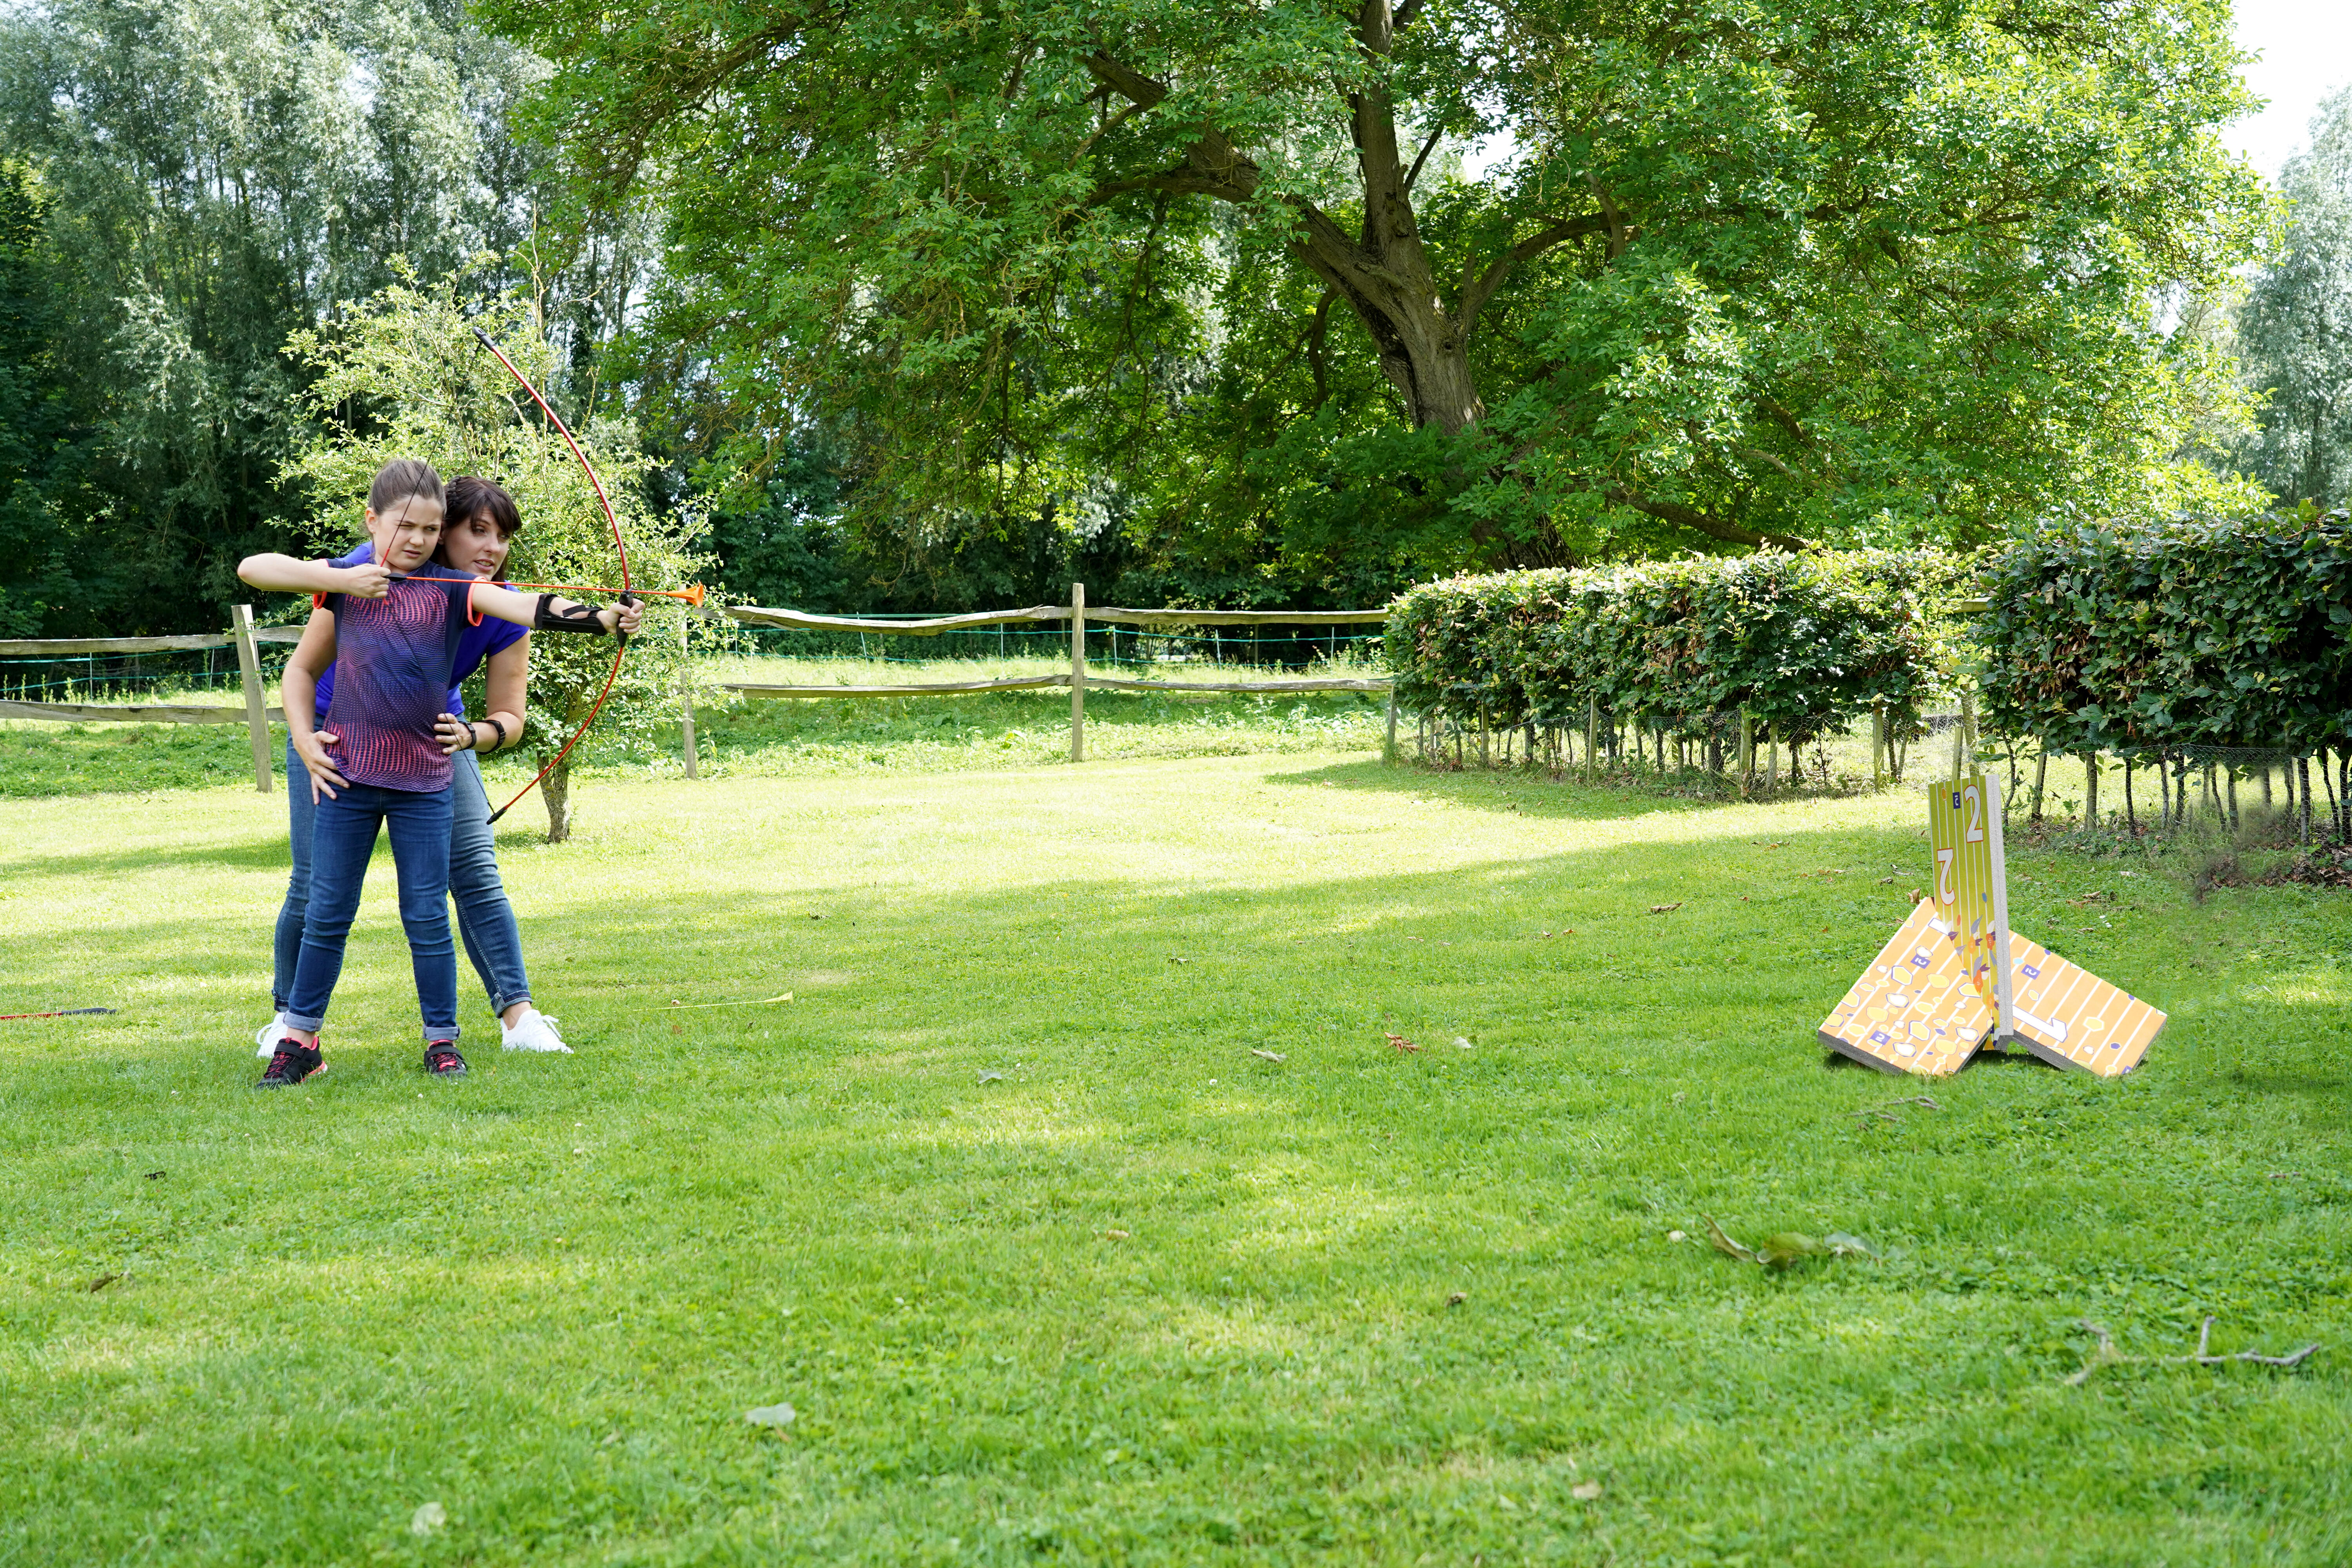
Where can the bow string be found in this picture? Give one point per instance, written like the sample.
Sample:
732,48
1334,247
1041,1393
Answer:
620,550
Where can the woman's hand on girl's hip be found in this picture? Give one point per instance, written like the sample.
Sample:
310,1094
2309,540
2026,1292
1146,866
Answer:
313,748
455,734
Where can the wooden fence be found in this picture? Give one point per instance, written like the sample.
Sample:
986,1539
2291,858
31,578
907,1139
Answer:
256,716
242,635
1079,616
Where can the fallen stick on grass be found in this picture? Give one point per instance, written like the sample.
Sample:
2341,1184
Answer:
2108,1355
755,1002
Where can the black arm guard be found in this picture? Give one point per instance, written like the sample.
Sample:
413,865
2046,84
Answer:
571,618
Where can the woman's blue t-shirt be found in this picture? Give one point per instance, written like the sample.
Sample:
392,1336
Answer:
488,637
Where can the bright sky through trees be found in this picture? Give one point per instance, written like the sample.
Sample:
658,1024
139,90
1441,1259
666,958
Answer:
2305,49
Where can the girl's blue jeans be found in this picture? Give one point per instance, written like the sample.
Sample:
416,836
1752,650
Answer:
484,919
342,836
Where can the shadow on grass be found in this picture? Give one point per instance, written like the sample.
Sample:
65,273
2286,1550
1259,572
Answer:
1526,794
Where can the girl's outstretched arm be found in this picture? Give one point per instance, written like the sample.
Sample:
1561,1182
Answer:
546,613
278,574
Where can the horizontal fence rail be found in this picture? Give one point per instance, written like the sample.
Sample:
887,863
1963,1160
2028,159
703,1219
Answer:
1036,682
132,714
760,616
256,715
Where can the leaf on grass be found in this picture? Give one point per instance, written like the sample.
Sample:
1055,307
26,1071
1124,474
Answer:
1789,1248
1843,1244
771,1416
1585,1491
1269,1055
155,1176
1400,1042
990,1075
1117,1234
1665,908
1728,1246
1462,1043
101,1283
1180,961
1456,1298
427,1518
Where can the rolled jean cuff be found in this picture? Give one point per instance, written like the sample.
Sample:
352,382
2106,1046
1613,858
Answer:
308,1025
448,1037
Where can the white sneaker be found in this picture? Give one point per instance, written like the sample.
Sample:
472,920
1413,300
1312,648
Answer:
271,1033
536,1032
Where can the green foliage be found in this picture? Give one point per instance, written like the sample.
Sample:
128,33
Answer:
403,376
2193,632
2295,326
1855,273
1804,643
45,561
214,176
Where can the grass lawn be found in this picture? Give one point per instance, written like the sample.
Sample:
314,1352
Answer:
1053,1266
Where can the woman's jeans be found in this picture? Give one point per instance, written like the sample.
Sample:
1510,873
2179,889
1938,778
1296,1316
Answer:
484,919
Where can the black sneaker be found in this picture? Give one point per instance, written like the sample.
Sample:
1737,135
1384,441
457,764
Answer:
291,1063
442,1060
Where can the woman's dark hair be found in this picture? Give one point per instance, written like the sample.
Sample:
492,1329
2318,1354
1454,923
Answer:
399,480
471,497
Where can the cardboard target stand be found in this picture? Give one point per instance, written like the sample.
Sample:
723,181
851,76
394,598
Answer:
1955,979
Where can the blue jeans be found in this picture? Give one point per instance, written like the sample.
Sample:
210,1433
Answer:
342,836
484,919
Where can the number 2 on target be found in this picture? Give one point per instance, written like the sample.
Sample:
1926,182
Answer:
1945,892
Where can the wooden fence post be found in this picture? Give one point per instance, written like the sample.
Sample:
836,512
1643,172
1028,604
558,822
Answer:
257,710
1077,672
1591,736
1878,746
1393,750
686,695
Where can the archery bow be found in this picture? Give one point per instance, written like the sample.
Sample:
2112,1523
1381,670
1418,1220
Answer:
628,594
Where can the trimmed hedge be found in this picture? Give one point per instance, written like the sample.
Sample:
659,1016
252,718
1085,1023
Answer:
2189,633
1804,643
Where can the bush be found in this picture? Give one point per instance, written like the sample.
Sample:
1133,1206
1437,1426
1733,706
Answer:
2189,633
1802,643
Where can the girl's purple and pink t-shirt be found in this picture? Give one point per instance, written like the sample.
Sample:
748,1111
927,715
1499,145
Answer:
483,637
393,656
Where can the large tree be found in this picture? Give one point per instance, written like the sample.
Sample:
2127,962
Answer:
1820,270
211,177
2295,326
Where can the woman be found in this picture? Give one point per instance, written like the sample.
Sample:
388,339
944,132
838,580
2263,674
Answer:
477,537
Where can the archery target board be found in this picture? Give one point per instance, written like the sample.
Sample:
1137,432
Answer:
1964,828
1915,1010
2070,1018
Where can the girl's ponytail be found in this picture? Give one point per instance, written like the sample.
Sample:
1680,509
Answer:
400,480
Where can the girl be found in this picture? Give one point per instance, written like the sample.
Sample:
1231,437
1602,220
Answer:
482,521
396,630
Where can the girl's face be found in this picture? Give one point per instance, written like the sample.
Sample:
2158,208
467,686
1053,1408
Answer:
405,534
474,544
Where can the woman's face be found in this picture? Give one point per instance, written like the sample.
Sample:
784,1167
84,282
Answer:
474,544
405,532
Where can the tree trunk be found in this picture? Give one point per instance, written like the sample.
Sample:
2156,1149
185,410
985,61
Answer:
556,791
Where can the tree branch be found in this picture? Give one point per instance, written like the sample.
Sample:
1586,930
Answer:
1712,527
1426,148
1475,295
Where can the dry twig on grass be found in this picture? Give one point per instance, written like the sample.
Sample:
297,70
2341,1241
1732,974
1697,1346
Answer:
2108,1355
1886,1112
